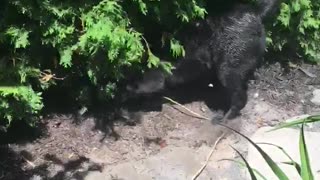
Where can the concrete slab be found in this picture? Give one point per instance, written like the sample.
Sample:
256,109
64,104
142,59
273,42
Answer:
174,163
288,139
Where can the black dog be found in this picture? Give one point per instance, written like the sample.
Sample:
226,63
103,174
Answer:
227,46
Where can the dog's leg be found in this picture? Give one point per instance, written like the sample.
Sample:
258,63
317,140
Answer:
239,99
235,83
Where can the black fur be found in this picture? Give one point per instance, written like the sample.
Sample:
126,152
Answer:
226,46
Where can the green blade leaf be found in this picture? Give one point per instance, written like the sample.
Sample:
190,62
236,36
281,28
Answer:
274,167
308,119
292,162
244,165
296,165
253,177
306,171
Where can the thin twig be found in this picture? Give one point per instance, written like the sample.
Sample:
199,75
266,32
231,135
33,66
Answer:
167,116
47,75
307,72
192,112
208,158
215,144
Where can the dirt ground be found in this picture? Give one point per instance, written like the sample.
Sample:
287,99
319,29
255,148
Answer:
64,149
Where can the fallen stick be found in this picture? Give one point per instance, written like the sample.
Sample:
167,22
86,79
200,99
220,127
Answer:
192,112
208,158
215,144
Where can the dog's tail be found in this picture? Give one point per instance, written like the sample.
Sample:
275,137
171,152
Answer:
267,8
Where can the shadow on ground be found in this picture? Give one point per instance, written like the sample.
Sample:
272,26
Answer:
18,165
130,111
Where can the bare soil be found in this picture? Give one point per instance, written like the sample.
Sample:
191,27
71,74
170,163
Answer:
64,149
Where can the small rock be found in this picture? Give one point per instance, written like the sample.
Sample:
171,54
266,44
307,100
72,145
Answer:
203,109
256,95
83,110
316,97
36,177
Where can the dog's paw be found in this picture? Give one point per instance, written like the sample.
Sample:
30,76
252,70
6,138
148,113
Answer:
217,117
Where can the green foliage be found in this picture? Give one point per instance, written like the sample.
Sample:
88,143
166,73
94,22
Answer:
244,165
305,119
306,172
176,48
297,29
87,42
251,171
291,162
19,102
19,37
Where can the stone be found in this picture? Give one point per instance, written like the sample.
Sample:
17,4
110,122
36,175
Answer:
174,163
316,97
